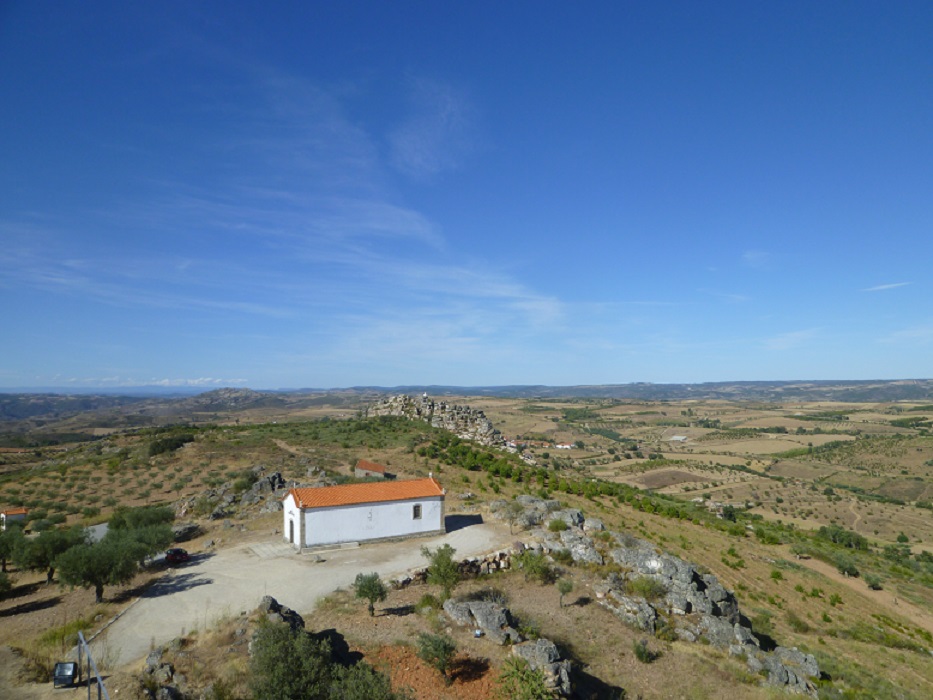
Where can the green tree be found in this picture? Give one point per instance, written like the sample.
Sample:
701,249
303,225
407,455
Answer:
151,539
442,570
362,682
289,664
536,566
110,562
11,539
513,511
140,517
519,681
564,586
437,650
41,553
6,585
370,587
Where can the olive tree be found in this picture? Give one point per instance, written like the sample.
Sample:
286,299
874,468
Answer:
370,587
442,570
110,562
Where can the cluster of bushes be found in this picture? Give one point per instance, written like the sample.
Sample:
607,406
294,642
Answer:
842,537
169,444
291,664
133,535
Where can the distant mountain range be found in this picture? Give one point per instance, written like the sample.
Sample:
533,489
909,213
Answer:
149,405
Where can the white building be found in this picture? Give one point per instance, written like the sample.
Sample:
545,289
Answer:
12,515
360,512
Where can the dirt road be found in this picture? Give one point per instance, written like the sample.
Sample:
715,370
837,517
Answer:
233,580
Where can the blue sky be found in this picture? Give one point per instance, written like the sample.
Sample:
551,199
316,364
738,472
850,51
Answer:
324,194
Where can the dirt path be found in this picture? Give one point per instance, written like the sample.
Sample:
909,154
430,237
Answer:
288,448
854,512
903,609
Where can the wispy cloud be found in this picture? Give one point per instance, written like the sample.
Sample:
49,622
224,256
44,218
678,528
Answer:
790,340
916,335
883,287
439,132
755,258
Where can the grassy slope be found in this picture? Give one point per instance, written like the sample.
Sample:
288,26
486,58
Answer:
860,641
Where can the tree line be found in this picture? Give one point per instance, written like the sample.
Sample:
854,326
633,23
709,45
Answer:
133,535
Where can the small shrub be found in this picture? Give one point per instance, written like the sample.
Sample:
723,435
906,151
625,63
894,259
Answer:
563,556
564,586
874,582
643,653
797,623
762,625
518,680
557,525
645,587
487,595
536,567
437,650
846,565
429,602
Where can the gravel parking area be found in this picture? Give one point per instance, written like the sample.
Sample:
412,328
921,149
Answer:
225,582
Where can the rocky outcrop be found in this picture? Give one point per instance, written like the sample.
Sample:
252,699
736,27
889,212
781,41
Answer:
495,622
264,487
534,511
493,619
686,589
229,500
182,532
656,591
463,421
543,655
276,612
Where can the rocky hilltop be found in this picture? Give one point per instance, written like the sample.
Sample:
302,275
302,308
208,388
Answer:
463,421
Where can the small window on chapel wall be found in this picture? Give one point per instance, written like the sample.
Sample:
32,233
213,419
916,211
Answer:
416,512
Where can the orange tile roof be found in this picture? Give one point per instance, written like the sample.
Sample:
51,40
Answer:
370,466
15,511
351,494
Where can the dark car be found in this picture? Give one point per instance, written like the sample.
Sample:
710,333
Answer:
176,555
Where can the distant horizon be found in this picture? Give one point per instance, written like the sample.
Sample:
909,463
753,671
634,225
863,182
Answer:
152,389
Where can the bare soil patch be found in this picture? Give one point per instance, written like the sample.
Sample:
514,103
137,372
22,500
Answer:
668,477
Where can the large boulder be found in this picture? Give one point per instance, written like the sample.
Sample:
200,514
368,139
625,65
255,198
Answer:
581,547
276,612
635,611
182,532
493,619
544,656
787,669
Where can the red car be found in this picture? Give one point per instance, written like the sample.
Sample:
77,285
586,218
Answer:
176,555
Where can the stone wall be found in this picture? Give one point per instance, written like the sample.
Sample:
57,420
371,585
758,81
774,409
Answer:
463,421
